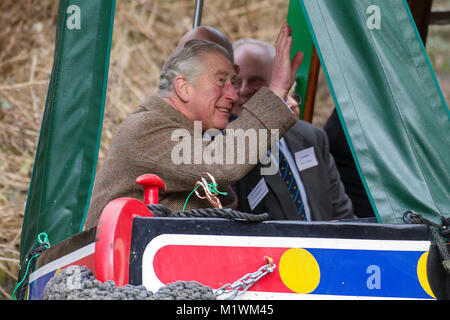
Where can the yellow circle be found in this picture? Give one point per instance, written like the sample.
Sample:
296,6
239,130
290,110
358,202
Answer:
299,270
422,274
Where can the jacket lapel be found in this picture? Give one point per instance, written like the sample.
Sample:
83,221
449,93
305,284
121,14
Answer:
276,185
312,178
296,143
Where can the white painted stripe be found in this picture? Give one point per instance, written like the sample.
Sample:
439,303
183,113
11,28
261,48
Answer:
289,242
63,261
151,281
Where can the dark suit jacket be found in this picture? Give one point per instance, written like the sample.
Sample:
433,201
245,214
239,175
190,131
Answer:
327,199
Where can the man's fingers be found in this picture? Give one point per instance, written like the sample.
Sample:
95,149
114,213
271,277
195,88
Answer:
297,61
281,36
288,45
285,35
284,70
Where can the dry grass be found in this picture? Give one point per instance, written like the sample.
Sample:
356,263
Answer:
26,42
145,32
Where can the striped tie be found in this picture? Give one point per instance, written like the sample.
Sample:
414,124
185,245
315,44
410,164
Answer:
288,178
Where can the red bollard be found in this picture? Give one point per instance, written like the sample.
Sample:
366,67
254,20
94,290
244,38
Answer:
151,184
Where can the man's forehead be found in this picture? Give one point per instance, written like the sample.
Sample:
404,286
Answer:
252,62
218,64
252,53
226,73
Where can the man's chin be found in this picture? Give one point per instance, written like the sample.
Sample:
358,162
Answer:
222,124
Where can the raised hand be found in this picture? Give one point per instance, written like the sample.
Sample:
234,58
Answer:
284,70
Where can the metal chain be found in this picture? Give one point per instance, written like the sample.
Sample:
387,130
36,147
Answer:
232,290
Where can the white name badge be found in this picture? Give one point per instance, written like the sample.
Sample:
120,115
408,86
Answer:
257,194
305,159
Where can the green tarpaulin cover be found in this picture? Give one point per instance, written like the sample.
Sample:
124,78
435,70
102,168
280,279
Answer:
66,155
389,102
302,41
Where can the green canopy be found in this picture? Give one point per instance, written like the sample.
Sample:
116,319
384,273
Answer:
66,155
302,41
389,102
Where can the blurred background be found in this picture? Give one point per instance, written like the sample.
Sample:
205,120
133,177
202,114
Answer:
145,33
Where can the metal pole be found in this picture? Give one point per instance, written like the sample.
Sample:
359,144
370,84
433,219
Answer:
198,13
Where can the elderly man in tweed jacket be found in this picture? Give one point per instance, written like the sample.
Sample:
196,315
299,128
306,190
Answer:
196,84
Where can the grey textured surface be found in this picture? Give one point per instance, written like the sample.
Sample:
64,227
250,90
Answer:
78,283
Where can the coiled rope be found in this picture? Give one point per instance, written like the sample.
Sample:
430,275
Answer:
78,283
160,210
440,233
29,264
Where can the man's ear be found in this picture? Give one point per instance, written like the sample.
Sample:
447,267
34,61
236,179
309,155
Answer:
236,68
182,88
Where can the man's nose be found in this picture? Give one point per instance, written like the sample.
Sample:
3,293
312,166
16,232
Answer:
231,93
245,90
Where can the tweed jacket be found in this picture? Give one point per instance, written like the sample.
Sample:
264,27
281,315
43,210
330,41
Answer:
325,192
143,144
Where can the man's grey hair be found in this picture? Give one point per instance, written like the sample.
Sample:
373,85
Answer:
188,62
265,45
